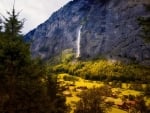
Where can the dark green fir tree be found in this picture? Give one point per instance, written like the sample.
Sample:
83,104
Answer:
144,22
24,83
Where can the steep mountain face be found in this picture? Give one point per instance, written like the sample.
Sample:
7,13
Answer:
93,28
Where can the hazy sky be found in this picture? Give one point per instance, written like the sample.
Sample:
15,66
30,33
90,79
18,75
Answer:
35,12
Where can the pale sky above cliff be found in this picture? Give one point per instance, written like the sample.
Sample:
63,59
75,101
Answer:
35,12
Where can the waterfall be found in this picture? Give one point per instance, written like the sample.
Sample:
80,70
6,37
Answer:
78,42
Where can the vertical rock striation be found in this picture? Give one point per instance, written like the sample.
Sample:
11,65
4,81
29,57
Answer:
109,28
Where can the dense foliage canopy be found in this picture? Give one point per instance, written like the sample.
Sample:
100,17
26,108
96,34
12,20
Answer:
105,70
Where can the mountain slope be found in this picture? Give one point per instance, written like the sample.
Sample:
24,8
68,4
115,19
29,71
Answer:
106,28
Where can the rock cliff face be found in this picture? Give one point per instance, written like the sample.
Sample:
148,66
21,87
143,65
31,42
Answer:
107,28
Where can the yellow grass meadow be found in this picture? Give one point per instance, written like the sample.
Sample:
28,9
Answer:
73,90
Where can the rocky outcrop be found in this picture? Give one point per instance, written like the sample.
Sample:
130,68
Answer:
109,28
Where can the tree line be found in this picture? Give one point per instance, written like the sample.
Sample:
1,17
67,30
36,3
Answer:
104,70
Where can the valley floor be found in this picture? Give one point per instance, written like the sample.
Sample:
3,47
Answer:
73,86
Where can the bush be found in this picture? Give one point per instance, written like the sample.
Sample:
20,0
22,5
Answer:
92,101
70,78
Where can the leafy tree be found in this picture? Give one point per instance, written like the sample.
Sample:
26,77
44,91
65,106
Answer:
92,101
140,105
147,90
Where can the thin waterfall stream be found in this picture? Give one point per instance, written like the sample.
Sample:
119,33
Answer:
78,42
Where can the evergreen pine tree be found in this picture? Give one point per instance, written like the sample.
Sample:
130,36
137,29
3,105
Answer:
144,22
24,85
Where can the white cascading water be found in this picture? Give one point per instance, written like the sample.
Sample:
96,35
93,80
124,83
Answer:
78,42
